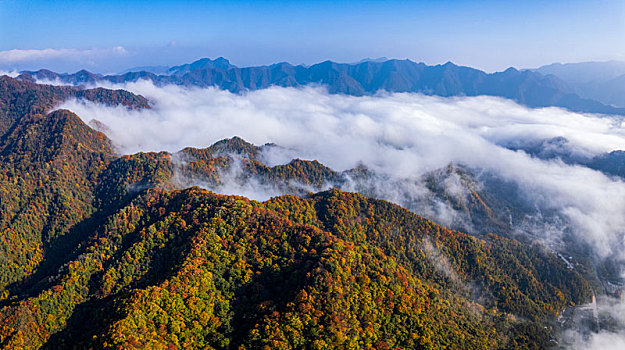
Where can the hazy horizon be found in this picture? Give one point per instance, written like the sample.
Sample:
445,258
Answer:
147,65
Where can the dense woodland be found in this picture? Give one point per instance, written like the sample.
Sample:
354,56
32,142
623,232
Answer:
105,251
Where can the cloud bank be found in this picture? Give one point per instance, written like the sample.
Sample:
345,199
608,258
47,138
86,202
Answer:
607,311
401,136
12,73
16,55
62,58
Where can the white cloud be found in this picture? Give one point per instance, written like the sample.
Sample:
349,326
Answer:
401,136
17,57
580,338
12,73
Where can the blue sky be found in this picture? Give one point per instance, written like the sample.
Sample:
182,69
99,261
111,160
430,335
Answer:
109,36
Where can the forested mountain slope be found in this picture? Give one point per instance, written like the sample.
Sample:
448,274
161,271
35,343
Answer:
103,251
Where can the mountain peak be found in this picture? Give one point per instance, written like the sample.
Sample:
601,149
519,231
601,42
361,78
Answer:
219,60
374,60
203,63
234,145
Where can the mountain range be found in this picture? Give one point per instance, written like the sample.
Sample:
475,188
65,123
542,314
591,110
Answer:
543,87
599,81
99,250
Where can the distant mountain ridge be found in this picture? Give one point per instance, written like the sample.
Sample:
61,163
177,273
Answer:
151,69
367,77
600,81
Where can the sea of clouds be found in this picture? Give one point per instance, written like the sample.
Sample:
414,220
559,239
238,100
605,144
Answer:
401,137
